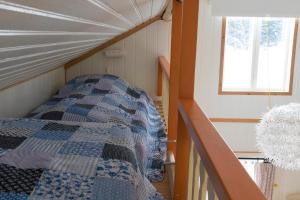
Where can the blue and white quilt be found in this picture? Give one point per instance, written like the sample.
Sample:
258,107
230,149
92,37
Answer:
43,160
109,99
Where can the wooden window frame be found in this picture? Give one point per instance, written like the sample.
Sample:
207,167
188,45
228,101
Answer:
288,93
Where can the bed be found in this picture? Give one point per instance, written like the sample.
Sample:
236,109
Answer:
109,99
47,159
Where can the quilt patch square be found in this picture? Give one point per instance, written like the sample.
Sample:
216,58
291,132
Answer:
52,135
41,145
85,166
18,180
52,115
74,117
99,91
121,137
133,93
57,185
13,196
112,189
138,126
77,96
16,131
111,151
60,127
90,135
117,170
88,149
93,100
85,106
91,80
10,142
79,109
130,111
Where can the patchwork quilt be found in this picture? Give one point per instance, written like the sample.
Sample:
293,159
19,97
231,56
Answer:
109,99
43,160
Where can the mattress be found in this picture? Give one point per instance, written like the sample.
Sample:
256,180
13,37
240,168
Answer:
46,159
109,99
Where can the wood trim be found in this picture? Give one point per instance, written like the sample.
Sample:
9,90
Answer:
188,48
163,66
28,79
235,120
289,93
111,42
229,178
174,72
185,89
255,93
293,56
182,162
222,55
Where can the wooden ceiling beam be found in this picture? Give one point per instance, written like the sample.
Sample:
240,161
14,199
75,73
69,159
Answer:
111,42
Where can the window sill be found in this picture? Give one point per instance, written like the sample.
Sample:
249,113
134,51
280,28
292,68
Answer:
255,93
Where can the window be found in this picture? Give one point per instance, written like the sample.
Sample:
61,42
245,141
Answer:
249,165
257,55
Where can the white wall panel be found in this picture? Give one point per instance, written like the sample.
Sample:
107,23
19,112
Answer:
239,136
20,99
138,66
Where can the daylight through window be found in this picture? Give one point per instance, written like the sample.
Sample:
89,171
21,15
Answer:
257,55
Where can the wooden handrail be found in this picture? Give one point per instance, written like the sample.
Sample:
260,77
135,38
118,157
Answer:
228,177
235,120
163,67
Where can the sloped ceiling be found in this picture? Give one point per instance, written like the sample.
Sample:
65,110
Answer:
39,35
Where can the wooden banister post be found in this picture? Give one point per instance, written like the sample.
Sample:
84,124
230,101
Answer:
182,161
184,75
174,72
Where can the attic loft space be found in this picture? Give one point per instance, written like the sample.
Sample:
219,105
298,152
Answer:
149,100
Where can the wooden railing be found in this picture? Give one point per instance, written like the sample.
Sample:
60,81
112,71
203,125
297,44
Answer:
206,168
214,172
163,84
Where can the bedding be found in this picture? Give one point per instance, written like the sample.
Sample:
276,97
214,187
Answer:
71,160
109,99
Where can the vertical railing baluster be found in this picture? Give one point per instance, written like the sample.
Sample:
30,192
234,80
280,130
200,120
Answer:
211,191
196,174
191,171
203,182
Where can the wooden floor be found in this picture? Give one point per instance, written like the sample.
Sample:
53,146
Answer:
163,188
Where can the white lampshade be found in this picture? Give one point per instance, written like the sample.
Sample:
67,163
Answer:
278,136
256,8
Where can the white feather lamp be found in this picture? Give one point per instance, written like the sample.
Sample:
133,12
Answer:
278,136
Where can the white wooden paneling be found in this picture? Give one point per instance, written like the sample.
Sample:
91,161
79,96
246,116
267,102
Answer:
139,64
239,136
43,34
18,100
